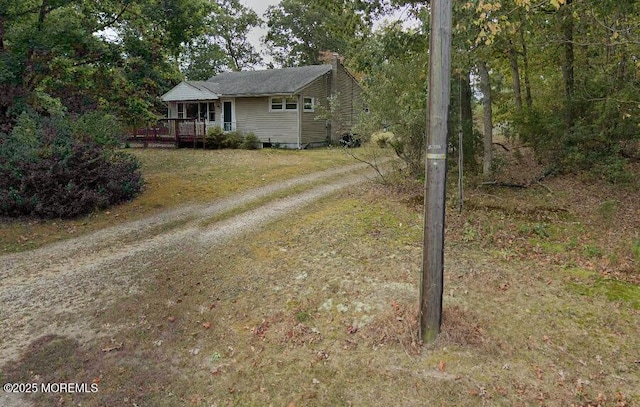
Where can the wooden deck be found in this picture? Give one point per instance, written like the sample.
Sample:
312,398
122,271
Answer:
176,132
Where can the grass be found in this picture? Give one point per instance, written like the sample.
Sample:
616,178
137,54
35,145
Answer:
173,178
319,309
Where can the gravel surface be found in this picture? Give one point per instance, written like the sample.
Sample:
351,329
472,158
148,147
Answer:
56,289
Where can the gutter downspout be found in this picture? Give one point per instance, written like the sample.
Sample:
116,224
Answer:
334,91
300,108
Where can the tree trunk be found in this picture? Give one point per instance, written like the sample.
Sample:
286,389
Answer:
2,25
568,62
460,120
515,72
487,120
525,63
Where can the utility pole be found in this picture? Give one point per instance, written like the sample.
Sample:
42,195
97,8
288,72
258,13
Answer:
431,283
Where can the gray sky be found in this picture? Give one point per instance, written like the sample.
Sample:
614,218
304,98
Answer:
259,6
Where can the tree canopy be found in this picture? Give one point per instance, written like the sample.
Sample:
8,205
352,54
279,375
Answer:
563,75
224,44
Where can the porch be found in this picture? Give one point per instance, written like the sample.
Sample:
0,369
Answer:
179,132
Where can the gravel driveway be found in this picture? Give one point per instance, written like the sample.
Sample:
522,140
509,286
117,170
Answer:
56,288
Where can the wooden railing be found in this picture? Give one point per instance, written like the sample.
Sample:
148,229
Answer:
179,132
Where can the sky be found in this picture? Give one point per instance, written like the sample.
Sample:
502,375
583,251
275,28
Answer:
260,6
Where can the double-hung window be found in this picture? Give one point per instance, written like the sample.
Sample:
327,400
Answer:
282,103
212,112
307,104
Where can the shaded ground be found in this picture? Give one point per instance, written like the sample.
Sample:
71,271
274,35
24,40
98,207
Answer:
319,308
57,290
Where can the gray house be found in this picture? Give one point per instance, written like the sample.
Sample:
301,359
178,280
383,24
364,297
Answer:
279,106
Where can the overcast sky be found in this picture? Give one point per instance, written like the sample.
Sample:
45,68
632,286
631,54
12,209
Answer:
259,6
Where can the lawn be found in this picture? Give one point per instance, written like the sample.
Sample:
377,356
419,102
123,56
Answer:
541,307
177,177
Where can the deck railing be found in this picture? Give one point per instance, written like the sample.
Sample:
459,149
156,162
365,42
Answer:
170,131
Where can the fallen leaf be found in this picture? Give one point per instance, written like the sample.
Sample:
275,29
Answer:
261,330
352,329
171,319
206,325
112,348
441,365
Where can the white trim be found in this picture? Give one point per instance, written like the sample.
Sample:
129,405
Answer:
187,91
313,104
284,103
226,124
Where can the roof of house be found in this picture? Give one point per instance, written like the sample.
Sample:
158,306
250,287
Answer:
267,82
191,90
284,81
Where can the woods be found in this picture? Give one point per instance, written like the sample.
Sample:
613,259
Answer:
561,76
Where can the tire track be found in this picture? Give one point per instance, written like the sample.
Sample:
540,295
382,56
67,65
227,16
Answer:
57,288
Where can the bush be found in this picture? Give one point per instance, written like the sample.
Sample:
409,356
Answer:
232,139
215,138
250,142
382,138
47,173
102,128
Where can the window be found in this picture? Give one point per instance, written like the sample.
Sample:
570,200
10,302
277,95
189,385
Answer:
307,103
192,110
202,113
180,110
277,103
281,103
291,103
212,112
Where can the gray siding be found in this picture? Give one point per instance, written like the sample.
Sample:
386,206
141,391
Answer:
253,116
173,110
350,100
315,131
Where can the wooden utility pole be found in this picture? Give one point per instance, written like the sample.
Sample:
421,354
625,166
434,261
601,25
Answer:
436,170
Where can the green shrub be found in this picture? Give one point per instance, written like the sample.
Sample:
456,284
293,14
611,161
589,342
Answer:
46,172
215,138
382,138
233,139
99,127
250,142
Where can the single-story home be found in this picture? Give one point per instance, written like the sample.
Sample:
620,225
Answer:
279,106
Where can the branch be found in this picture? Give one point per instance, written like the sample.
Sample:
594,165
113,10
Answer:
113,20
373,165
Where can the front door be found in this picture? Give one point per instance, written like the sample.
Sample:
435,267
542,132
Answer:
227,115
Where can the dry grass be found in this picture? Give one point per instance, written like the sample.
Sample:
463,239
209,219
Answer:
319,310
173,178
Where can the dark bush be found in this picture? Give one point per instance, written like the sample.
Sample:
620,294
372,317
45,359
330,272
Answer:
215,138
48,173
250,142
233,139
100,127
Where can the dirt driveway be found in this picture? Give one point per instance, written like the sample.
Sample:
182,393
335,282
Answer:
57,289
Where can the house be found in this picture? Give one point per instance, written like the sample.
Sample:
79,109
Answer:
279,106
